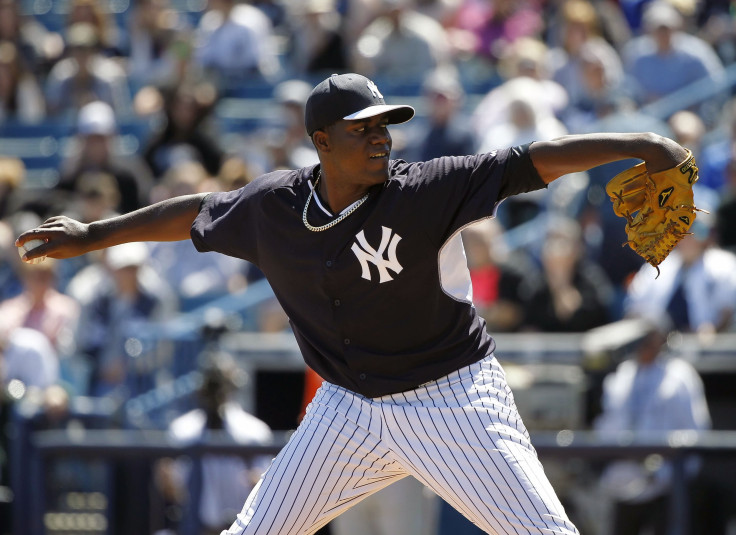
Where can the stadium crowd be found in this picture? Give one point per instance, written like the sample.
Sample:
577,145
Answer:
160,98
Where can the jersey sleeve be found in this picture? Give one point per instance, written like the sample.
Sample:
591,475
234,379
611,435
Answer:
226,224
452,192
519,174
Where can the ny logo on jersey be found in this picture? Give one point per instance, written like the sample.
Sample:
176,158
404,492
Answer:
366,254
374,89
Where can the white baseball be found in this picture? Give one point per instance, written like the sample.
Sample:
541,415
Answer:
29,246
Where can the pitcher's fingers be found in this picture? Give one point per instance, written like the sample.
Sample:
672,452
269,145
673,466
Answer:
41,251
38,233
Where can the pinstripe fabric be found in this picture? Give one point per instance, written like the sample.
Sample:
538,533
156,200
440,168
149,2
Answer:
460,435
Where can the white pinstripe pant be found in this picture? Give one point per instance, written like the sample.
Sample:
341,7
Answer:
460,435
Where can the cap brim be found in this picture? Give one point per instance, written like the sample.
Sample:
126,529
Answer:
396,113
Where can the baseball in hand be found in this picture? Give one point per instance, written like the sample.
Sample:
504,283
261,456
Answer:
29,246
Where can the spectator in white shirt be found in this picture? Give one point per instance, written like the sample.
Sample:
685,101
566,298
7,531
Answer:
696,287
235,42
226,480
28,356
649,393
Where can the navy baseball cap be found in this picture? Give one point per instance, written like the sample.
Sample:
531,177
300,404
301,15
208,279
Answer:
350,97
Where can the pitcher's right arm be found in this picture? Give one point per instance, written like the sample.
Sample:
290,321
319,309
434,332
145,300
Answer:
168,220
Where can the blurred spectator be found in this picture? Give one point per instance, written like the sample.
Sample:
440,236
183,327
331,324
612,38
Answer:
726,212
276,11
440,10
12,176
96,153
86,75
41,306
494,25
10,283
27,355
696,287
235,43
611,23
581,43
357,15
688,130
649,393
719,146
572,294
184,134
316,39
96,14
525,104
666,58
112,316
522,117
715,25
446,131
160,48
401,44
287,145
21,97
226,481
496,275
97,197
36,46
234,174
195,277
514,114
529,57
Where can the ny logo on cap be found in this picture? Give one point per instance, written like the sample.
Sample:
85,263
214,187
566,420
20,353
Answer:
367,254
374,89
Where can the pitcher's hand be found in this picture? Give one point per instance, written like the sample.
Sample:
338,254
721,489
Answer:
64,237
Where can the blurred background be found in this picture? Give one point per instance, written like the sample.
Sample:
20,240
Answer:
146,387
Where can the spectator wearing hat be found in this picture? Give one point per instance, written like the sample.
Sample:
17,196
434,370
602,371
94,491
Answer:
666,59
86,75
97,152
113,314
446,131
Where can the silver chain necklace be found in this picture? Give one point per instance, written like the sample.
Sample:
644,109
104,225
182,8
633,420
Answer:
334,222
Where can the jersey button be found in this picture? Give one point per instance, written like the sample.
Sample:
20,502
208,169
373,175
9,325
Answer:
362,376
328,263
346,341
336,302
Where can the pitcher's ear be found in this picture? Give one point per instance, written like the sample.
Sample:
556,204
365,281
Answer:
321,140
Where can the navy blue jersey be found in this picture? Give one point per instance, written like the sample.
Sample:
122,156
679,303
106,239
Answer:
381,302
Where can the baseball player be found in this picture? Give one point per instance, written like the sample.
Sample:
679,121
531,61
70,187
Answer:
364,254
